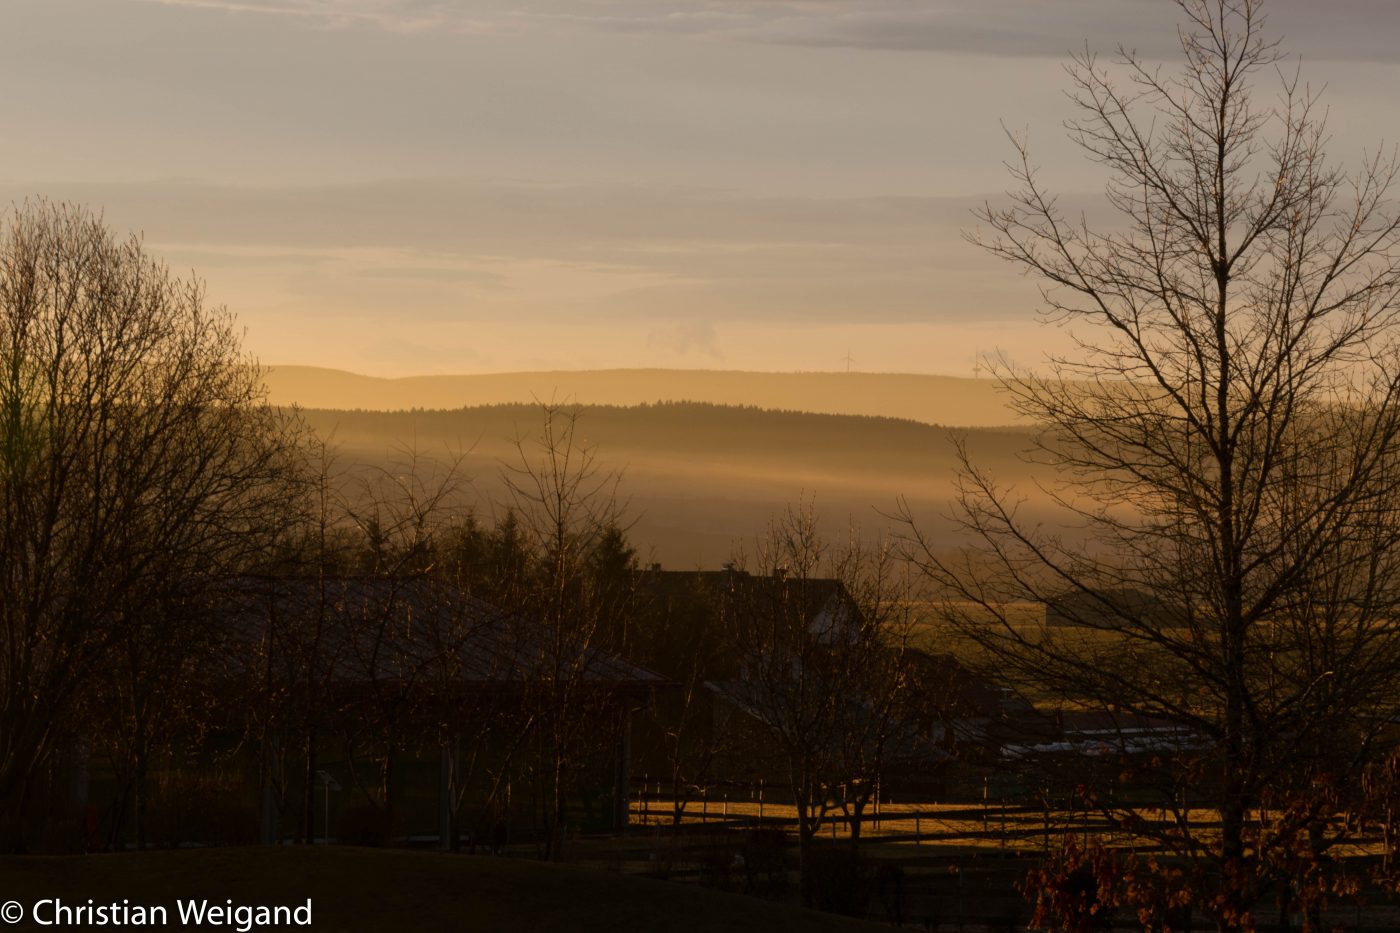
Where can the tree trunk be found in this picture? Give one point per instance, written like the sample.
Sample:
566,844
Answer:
806,832
856,818
139,792
308,809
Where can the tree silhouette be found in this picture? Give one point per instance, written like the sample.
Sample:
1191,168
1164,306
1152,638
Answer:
138,461
1223,446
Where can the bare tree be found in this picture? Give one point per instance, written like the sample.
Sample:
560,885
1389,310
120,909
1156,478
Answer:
1224,448
298,647
350,619
572,605
877,652
819,632
683,638
150,701
135,449
399,517
482,736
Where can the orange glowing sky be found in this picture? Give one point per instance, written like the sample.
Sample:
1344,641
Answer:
414,186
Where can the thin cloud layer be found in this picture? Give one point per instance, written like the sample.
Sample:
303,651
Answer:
676,256
406,16
1342,29
758,183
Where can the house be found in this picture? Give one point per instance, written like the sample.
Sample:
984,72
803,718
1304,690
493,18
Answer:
726,634
357,707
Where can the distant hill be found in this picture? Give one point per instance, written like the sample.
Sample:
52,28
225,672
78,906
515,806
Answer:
699,478
946,400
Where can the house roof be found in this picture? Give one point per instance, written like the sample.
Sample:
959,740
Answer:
393,630
820,601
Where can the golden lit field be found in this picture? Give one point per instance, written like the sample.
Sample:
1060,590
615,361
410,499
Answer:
934,633
942,828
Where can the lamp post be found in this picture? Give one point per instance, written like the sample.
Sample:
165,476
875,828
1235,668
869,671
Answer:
329,784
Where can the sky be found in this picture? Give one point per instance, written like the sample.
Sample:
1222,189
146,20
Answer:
401,187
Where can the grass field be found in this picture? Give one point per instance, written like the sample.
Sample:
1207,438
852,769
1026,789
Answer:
373,890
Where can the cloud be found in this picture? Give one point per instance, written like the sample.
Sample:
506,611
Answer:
1018,28
640,223
659,257
1342,29
405,16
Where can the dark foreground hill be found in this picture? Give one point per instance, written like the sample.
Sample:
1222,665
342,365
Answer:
367,891
698,478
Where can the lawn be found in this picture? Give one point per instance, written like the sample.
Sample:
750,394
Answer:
371,890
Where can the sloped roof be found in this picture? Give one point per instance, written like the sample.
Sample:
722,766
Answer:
387,629
820,600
